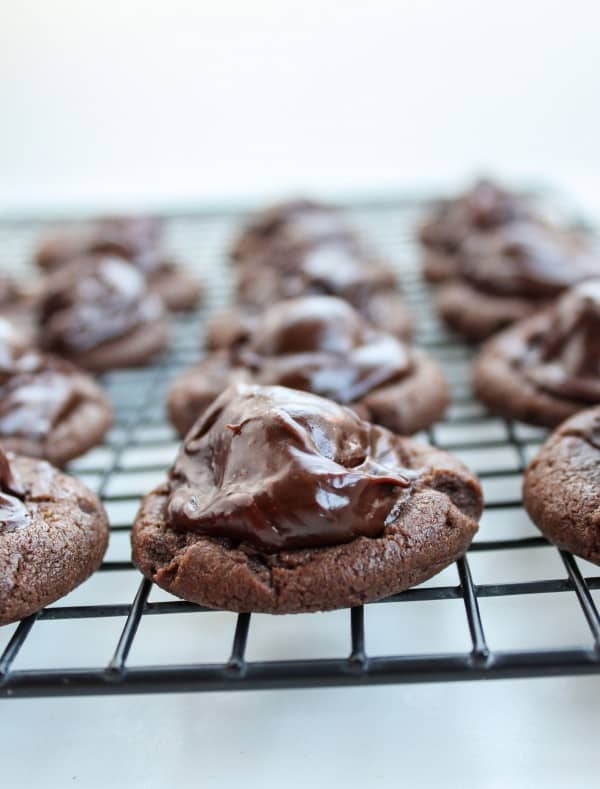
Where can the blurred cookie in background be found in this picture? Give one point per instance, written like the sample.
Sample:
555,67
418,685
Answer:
98,313
137,239
483,207
322,345
546,368
290,226
17,306
510,273
48,407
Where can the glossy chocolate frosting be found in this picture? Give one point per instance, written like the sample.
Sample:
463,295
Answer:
333,268
136,239
564,355
484,206
286,226
528,258
92,302
13,511
283,469
37,391
322,345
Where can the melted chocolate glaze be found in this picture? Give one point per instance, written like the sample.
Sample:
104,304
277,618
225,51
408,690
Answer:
93,302
563,358
283,469
36,396
36,391
333,268
527,258
322,345
13,511
483,207
288,226
136,239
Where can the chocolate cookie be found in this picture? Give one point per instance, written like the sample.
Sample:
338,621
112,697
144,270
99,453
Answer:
546,368
53,535
561,491
98,313
510,273
17,306
322,345
48,408
483,207
135,239
284,502
291,225
332,267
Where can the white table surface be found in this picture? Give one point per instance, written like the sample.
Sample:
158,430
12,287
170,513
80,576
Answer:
492,735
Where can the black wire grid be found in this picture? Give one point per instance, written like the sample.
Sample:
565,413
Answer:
141,446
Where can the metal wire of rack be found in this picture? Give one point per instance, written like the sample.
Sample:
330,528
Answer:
141,446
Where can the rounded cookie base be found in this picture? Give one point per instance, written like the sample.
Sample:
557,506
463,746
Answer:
412,404
390,313
83,428
134,349
195,389
560,489
178,291
477,315
438,265
60,548
434,527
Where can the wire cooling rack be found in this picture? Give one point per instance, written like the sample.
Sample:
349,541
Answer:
119,634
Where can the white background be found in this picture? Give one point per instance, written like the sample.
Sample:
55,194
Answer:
140,102
106,104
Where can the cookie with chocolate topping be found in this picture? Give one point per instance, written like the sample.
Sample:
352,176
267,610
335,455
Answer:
482,208
560,489
48,407
53,535
290,227
546,368
332,267
98,313
511,272
282,502
137,239
321,344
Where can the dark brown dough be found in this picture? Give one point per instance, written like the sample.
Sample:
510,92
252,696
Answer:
406,390
477,315
178,290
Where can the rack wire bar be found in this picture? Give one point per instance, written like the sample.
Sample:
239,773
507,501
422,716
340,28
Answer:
240,638
358,655
119,657
138,451
14,645
481,652
583,595
270,675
